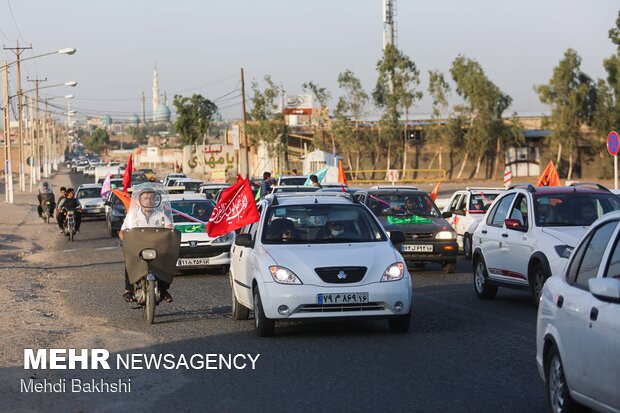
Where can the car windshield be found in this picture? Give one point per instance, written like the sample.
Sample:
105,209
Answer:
198,208
292,188
293,180
320,223
573,209
402,204
190,186
480,203
89,193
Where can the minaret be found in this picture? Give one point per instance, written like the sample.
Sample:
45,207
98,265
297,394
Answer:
155,92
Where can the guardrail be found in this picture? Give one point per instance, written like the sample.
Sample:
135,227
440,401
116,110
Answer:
404,175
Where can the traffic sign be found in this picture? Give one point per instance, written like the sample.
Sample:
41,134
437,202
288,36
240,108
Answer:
613,143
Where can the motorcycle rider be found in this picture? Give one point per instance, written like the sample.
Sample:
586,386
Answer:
63,195
45,194
148,212
70,203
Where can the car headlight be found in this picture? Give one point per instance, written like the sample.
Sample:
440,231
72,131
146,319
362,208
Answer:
224,238
394,272
445,235
283,275
564,251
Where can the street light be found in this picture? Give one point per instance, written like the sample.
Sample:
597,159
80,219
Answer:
18,51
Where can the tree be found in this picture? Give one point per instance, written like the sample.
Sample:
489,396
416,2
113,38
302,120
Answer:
194,115
484,105
572,97
98,141
267,126
395,91
139,134
436,132
322,95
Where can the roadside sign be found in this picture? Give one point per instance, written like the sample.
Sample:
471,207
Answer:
613,143
392,175
507,177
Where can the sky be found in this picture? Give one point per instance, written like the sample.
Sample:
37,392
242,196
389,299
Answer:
199,46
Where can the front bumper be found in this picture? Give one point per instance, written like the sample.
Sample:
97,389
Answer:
215,255
89,212
302,300
442,251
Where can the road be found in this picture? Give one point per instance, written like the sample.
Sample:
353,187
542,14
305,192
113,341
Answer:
461,354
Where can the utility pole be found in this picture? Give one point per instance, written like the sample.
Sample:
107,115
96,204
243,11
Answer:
37,129
22,176
245,129
8,174
33,174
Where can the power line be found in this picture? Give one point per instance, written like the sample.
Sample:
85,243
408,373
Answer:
15,21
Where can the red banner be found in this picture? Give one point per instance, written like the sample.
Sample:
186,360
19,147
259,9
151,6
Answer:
235,209
127,175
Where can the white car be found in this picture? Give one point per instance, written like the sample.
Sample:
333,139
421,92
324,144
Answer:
188,184
578,328
172,175
93,205
210,190
198,250
529,233
319,255
468,206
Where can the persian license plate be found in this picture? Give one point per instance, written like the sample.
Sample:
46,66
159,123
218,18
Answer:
342,298
95,210
183,262
417,248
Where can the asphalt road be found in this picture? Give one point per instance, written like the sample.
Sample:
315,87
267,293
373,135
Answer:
461,354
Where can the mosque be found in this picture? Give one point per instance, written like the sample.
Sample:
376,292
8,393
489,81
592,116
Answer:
160,110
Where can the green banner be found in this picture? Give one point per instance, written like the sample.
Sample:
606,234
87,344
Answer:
191,228
414,219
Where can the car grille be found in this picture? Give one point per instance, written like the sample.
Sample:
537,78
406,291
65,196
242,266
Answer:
339,308
202,251
413,236
330,274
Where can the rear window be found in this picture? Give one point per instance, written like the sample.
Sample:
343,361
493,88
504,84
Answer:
573,209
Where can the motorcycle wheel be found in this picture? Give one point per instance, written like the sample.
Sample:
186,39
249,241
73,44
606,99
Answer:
71,233
149,307
47,219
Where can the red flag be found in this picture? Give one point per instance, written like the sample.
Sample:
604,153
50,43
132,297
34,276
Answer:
549,176
435,191
127,175
235,209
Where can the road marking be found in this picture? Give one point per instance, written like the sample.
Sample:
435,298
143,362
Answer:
94,249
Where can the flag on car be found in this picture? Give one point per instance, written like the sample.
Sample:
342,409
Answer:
106,188
320,175
342,178
127,175
235,209
549,176
435,191
123,196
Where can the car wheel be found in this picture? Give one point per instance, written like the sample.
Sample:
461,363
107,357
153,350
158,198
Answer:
449,267
558,393
484,290
539,277
263,326
239,311
400,324
467,246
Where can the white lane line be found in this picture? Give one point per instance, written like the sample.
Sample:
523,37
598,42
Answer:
94,249
74,249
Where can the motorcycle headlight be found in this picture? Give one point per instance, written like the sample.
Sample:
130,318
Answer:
283,275
149,254
445,235
394,272
564,251
224,238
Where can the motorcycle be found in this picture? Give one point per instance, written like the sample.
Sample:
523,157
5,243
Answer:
46,207
69,224
151,255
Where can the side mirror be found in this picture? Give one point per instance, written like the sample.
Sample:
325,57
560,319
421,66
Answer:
447,214
605,289
244,240
397,237
514,224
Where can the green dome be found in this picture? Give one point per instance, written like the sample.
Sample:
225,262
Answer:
134,120
162,113
106,120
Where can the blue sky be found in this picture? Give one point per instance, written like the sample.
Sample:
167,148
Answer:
199,46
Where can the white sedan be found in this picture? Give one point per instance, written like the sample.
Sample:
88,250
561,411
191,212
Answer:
578,329
318,255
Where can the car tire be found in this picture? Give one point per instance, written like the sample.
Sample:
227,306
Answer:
449,267
538,278
558,393
263,326
400,324
484,290
239,311
467,246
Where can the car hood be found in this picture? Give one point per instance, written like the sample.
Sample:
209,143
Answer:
92,202
568,235
302,259
436,225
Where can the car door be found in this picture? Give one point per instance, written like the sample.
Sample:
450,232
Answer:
603,356
516,244
239,261
574,303
489,235
452,207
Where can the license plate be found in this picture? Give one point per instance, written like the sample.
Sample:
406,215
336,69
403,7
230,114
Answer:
182,262
417,248
95,210
342,298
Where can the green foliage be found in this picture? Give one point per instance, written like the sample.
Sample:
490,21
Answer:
268,125
139,134
98,140
194,115
322,95
439,90
614,33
